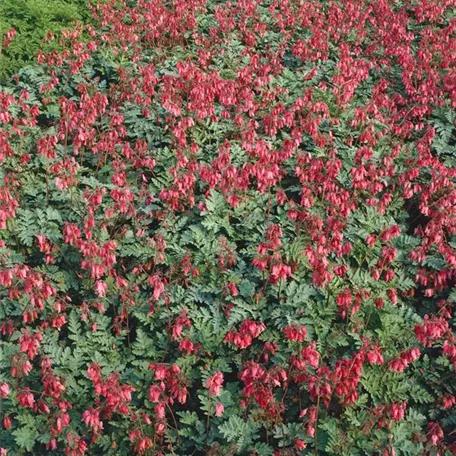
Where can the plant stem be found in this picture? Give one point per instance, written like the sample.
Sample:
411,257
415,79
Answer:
316,428
208,419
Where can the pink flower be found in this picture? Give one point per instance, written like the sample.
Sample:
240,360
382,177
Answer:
448,401
7,422
214,384
435,433
52,445
100,288
4,390
370,240
233,289
158,285
160,410
91,418
154,393
295,332
398,411
374,356
25,398
279,272
390,233
219,409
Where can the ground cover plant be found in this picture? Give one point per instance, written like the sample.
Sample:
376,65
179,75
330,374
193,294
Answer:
228,228
32,20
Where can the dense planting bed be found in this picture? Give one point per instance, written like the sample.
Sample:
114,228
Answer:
228,228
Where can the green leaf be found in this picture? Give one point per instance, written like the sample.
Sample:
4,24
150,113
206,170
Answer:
26,437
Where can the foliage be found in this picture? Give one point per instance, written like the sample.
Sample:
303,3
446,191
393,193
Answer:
229,228
32,20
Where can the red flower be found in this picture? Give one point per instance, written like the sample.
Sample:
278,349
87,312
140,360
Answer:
25,398
219,409
295,332
398,411
214,384
4,390
91,418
